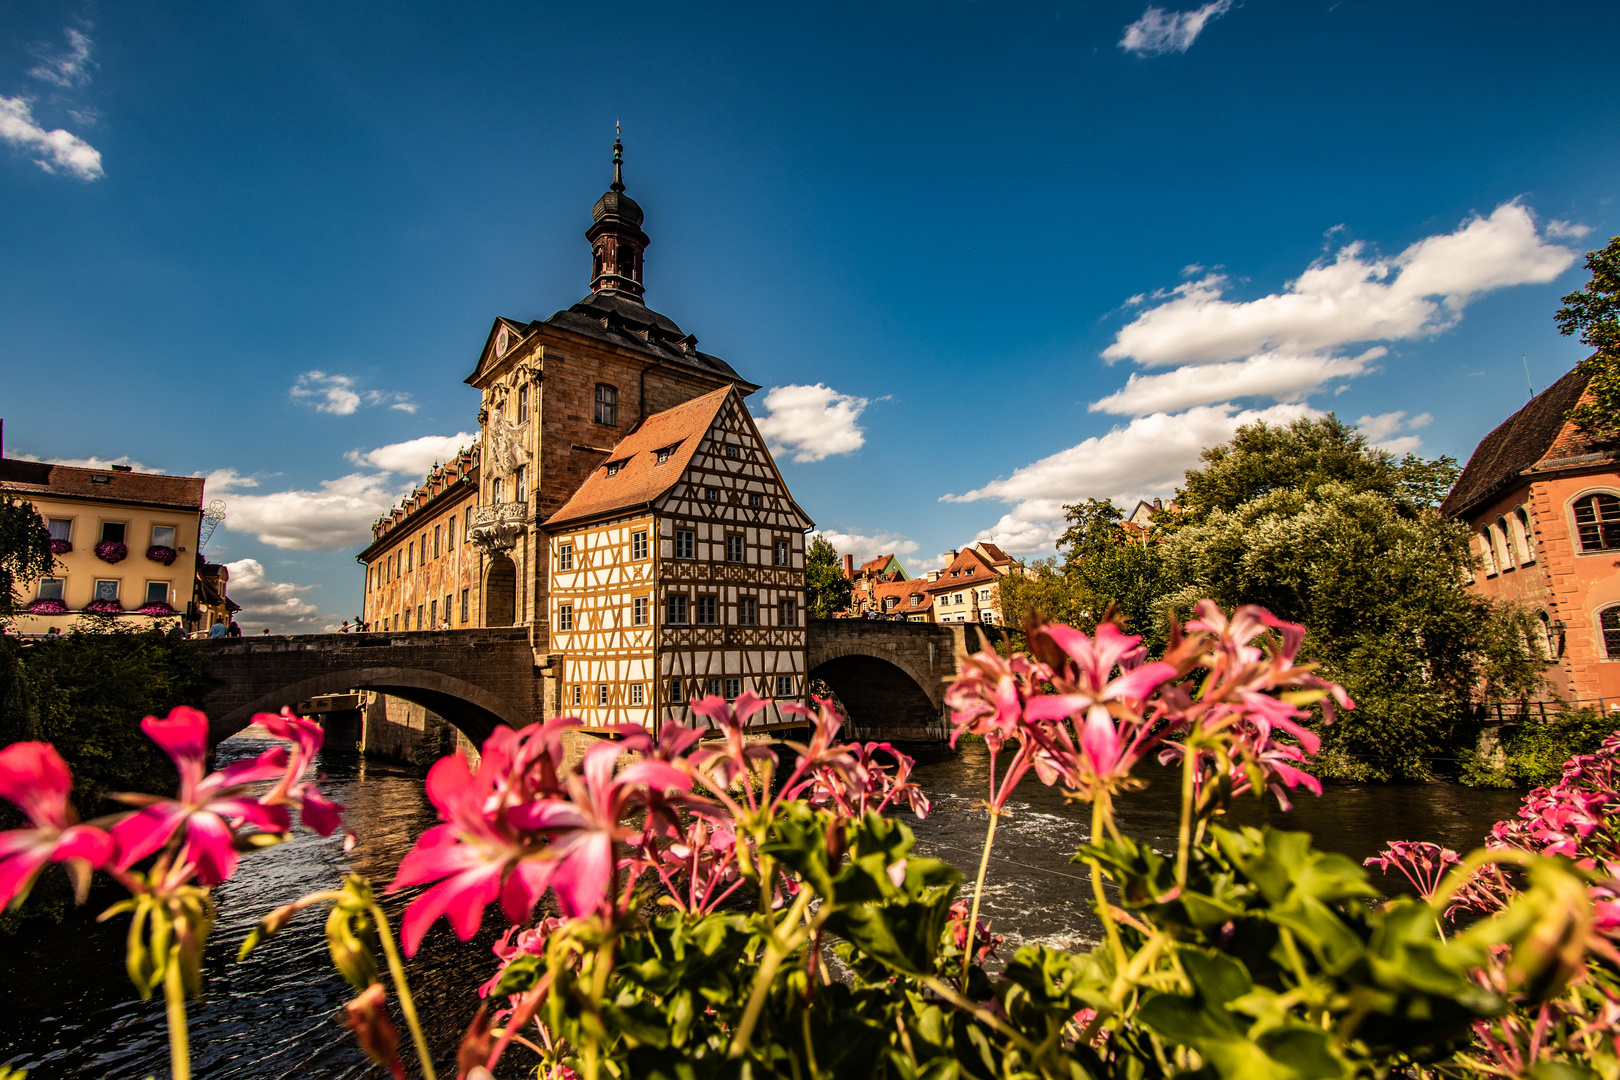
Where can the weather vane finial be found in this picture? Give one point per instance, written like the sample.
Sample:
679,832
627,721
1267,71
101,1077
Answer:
618,157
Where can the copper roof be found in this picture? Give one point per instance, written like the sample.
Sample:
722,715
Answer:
42,478
638,479
1518,443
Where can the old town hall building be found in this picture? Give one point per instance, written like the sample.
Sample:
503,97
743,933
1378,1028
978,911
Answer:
620,504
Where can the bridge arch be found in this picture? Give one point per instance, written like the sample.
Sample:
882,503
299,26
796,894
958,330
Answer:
890,678
474,710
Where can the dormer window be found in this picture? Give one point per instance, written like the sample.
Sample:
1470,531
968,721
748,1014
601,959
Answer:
613,467
663,454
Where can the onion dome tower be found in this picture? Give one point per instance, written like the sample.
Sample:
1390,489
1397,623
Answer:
617,242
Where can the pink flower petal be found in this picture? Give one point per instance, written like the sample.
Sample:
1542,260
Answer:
17,872
211,847
183,735
146,830
318,812
582,878
35,778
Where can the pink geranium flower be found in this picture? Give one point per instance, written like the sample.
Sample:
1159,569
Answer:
587,826
316,810
475,856
35,778
210,809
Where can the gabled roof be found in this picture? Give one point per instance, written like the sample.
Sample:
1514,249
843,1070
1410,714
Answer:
1518,443
972,569
995,555
902,591
41,478
876,566
639,480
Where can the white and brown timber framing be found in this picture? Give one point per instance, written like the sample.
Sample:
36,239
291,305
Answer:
677,568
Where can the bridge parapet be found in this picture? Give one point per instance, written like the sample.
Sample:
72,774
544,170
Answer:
476,679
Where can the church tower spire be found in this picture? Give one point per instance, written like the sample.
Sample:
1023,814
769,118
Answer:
617,242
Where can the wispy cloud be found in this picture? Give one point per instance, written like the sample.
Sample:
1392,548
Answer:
812,422
54,151
339,394
1159,31
67,68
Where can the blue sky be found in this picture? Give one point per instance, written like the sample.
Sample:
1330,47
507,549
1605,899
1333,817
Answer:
996,257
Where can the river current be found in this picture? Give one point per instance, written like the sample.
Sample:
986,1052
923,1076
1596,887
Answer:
67,1008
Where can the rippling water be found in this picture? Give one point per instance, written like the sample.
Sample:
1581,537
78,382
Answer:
67,1008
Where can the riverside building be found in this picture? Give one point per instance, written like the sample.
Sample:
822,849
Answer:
1543,501
569,409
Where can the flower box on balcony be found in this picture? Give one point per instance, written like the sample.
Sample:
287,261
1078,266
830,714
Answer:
111,551
156,608
159,553
47,606
104,607
61,547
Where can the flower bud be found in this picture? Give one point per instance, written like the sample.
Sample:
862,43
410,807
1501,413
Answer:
367,1017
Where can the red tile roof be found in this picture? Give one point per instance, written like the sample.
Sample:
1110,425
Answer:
995,554
639,479
42,478
1529,435
972,569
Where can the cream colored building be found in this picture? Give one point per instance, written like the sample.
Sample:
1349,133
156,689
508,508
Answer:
125,543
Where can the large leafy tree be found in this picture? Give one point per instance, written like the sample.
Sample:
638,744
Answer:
25,550
1593,313
1262,458
829,590
1380,585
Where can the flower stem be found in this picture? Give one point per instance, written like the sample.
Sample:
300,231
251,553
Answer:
396,968
1189,764
970,933
776,950
174,995
1099,818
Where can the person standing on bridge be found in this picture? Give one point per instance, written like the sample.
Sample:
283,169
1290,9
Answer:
219,629
344,629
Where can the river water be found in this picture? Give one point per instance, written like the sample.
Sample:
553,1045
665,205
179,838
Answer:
67,1008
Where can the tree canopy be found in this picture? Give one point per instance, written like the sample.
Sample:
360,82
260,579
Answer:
25,550
1593,313
827,588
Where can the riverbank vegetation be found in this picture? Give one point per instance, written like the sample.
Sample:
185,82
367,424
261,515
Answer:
731,908
1312,522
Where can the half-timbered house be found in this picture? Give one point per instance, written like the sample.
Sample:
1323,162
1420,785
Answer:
677,571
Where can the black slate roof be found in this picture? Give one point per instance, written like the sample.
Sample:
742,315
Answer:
1517,443
611,316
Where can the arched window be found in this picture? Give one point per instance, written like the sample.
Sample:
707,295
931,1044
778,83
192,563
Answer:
1504,544
1597,520
1609,625
1525,535
1487,551
627,261
1549,645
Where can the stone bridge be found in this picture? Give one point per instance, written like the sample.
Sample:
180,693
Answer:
889,676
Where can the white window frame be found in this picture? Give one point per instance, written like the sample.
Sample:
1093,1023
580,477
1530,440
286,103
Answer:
685,543
174,536
638,694
61,588
166,598
638,545
565,556
565,616
638,611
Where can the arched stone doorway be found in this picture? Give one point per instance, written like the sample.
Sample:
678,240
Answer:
500,592
881,699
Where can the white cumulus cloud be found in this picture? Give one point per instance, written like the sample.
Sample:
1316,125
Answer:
812,422
1567,230
339,395
1159,31
415,456
55,150
1382,430
277,606
337,516
1275,375
1147,457
1420,292
868,547
69,68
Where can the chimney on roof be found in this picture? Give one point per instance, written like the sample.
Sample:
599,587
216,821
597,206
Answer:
123,468
849,567
1158,504
933,575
